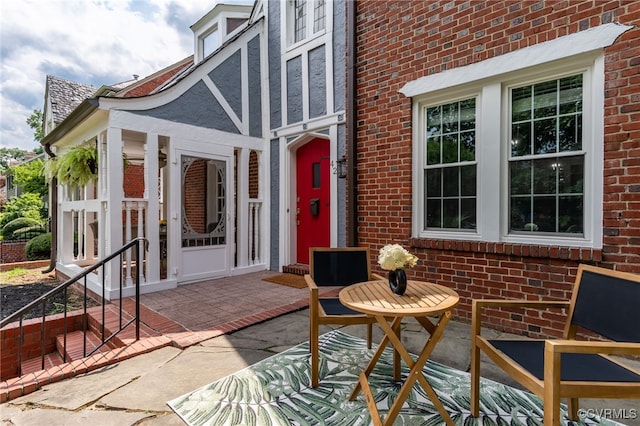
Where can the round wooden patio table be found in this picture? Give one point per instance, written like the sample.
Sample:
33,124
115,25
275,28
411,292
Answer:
421,300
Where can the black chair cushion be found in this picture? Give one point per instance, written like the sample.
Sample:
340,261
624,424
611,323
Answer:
574,367
332,306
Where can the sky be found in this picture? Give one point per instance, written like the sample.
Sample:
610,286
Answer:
97,42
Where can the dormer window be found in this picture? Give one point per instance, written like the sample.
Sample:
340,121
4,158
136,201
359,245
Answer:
221,23
210,42
307,18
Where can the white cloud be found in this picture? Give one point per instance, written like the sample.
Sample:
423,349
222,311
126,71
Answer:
96,42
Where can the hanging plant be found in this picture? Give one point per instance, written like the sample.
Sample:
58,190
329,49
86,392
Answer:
78,166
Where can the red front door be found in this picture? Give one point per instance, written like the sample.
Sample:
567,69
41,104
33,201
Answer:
312,201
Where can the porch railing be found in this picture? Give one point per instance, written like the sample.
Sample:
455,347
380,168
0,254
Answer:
118,256
133,227
255,231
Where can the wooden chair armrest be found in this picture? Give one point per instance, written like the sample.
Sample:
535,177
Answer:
591,347
518,303
314,293
310,283
479,304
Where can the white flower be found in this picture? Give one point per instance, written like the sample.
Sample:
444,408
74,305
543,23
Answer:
394,256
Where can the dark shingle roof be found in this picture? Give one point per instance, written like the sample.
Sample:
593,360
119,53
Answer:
66,95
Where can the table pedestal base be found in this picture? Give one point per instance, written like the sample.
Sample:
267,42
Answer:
391,334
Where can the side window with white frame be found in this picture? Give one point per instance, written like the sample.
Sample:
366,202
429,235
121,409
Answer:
547,160
538,145
515,162
450,166
306,19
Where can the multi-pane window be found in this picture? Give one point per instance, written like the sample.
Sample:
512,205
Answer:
308,17
547,160
450,166
318,15
300,20
533,153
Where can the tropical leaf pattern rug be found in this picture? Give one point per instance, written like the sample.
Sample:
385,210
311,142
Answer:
277,391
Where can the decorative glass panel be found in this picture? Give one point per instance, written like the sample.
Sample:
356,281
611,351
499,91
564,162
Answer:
203,202
315,175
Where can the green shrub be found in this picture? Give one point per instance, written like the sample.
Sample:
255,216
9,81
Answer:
39,248
10,228
26,205
28,232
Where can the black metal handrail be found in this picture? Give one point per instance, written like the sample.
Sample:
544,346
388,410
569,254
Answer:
62,288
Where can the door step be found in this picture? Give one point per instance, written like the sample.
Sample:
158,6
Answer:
297,269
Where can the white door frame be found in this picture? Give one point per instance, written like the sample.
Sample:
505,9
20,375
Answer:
199,263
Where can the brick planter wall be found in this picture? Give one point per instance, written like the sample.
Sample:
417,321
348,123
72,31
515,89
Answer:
13,251
400,41
32,345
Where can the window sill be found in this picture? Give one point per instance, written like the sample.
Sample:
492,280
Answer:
511,249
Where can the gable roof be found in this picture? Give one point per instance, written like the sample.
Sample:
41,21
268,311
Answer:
71,102
65,96
151,83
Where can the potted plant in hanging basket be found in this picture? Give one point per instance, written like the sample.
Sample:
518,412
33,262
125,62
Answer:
76,167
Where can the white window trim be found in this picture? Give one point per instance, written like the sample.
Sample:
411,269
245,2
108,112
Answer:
492,204
289,22
592,146
593,39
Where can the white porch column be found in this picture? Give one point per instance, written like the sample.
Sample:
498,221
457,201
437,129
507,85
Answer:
114,198
242,207
152,195
103,196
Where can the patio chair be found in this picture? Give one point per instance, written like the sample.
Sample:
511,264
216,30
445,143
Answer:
604,302
334,267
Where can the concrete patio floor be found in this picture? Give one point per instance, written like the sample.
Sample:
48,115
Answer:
231,323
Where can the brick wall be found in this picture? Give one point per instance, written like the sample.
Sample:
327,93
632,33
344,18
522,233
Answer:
13,251
401,41
32,343
195,190
133,181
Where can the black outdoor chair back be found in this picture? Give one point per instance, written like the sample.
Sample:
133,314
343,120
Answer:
339,268
607,305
